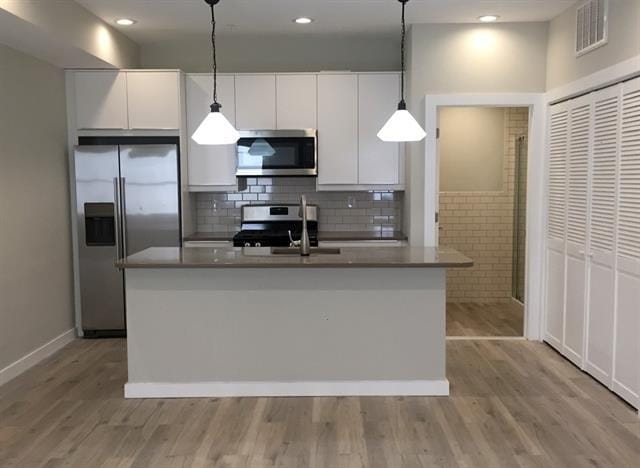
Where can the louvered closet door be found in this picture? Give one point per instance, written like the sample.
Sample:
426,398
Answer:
603,188
580,131
626,376
558,127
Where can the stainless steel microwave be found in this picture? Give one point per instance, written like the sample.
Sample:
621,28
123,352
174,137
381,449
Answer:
277,153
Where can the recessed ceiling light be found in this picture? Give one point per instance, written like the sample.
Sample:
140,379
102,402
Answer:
303,20
125,22
488,18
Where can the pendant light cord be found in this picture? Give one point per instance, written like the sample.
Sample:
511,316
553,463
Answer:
402,54
213,56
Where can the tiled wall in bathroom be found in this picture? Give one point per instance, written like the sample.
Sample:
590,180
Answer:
339,211
480,225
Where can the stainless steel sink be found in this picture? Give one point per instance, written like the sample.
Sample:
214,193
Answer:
296,251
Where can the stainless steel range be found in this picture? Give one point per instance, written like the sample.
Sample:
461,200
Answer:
275,226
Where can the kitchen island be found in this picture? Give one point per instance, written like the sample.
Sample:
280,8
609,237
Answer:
246,322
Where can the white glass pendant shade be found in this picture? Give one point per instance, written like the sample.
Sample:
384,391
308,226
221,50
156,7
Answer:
400,127
215,129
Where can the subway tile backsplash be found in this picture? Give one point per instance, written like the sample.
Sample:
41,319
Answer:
339,211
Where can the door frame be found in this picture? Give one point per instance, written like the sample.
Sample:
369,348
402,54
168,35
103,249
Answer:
536,221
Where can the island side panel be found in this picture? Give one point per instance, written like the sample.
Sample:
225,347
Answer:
216,332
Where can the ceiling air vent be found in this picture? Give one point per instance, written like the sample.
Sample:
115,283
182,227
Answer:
591,25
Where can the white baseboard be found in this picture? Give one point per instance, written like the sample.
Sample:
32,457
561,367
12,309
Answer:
34,357
288,389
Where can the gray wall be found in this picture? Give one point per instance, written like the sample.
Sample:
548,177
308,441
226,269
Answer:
65,34
35,247
624,43
472,148
238,54
465,58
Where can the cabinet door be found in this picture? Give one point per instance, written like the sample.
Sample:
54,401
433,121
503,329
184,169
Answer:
256,102
210,165
154,100
337,129
556,224
601,289
626,378
554,323
378,97
297,100
626,374
101,100
580,123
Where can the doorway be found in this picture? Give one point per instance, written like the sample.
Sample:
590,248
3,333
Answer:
482,154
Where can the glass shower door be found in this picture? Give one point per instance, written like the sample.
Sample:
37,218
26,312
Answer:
520,220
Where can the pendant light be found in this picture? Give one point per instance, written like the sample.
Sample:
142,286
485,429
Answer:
215,129
401,126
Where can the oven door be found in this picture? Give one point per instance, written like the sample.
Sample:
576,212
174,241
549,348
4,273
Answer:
277,153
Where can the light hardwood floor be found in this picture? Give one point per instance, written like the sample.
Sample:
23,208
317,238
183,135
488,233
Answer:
484,319
513,404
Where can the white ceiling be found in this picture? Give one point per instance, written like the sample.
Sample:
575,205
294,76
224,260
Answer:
159,18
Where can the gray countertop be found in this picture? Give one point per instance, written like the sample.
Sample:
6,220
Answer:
322,236
261,257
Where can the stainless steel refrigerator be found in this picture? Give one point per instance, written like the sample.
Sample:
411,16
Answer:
128,199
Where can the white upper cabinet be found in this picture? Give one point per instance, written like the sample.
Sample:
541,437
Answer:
153,100
127,100
296,101
338,129
101,100
256,102
210,166
378,99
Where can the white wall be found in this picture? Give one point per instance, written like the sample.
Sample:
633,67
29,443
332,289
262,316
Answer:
65,34
466,58
275,53
35,244
624,43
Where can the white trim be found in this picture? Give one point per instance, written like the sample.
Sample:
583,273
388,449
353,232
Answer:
536,220
72,139
212,188
358,187
34,357
602,78
486,338
282,389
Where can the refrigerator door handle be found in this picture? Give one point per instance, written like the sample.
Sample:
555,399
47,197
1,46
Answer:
123,204
117,217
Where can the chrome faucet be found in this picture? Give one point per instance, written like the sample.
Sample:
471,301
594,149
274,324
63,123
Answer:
303,243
